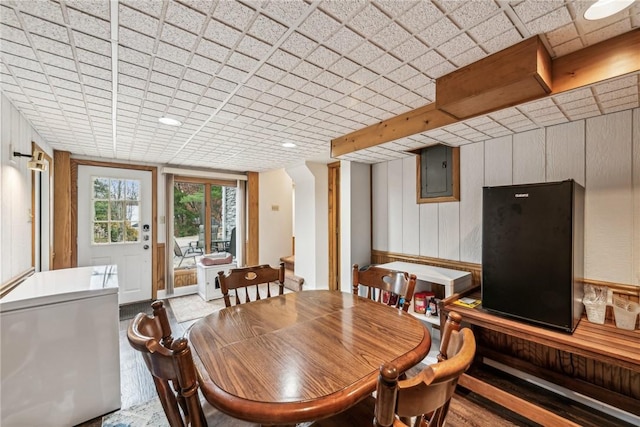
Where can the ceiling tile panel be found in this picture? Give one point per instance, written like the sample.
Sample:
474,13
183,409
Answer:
502,41
391,36
235,14
555,19
222,34
184,17
44,28
98,8
13,34
344,40
439,32
421,16
267,30
138,21
319,26
48,10
89,24
491,28
472,12
612,30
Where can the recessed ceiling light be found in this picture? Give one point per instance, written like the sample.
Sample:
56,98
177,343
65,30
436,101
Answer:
604,8
288,144
169,121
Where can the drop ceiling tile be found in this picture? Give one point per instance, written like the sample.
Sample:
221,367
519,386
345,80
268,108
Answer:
242,62
287,12
627,100
410,49
9,17
529,10
562,35
553,109
45,28
306,70
283,60
380,84
235,14
615,107
551,21
194,76
134,40
185,17
319,26
322,56
402,73
439,32
573,95
343,10
428,60
253,47
472,55
167,67
420,17
298,44
142,84
99,8
566,48
18,50
584,115
64,83
172,53
178,37
581,111
160,78
76,95
92,71
222,34
473,12
139,83
608,32
363,76
416,82
366,53
456,45
57,61
15,35
491,28
89,24
391,36
231,73
345,86
52,46
44,9
258,83
344,40
267,30
385,64
133,56
503,41
344,67
620,83
137,21
87,57
89,90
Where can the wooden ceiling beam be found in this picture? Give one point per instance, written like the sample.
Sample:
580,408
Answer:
421,119
608,59
605,60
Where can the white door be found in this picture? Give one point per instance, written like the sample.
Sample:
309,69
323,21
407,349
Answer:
114,226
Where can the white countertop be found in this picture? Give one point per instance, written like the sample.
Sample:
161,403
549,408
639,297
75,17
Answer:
429,273
50,287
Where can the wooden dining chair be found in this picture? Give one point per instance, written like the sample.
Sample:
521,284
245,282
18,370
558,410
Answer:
170,363
394,288
246,277
425,396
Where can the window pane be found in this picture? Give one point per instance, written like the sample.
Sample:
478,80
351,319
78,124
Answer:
117,210
101,210
100,232
101,188
116,232
116,189
133,232
133,190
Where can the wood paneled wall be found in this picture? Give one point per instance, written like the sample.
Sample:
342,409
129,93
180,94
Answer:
63,229
600,153
252,237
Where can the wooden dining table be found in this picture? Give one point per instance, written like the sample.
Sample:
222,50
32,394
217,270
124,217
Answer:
301,356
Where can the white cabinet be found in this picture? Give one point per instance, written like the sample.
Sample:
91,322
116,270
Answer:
208,287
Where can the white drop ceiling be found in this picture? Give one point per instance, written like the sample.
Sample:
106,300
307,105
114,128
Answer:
94,76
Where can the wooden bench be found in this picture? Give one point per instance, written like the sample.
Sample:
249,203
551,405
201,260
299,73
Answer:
599,361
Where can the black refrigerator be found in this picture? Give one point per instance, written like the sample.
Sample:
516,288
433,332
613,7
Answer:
533,252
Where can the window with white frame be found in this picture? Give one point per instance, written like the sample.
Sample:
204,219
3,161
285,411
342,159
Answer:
116,210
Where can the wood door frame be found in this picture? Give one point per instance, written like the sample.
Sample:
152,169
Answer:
74,163
334,225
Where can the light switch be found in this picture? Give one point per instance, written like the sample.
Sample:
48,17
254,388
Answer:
275,208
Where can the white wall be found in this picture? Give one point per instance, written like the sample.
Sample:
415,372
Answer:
16,134
601,153
275,216
311,207
355,219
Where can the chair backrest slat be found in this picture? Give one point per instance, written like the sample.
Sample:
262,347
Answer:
246,277
385,286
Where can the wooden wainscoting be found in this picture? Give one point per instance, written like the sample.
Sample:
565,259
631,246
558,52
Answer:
185,277
161,268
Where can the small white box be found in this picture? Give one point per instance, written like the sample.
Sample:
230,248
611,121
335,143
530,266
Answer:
208,287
